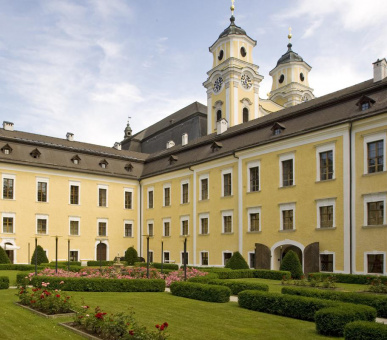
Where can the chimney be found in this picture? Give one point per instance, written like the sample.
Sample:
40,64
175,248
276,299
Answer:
170,144
221,126
117,146
8,126
184,139
70,136
380,70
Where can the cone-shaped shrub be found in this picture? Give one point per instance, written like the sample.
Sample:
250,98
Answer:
42,258
131,256
237,262
291,263
3,256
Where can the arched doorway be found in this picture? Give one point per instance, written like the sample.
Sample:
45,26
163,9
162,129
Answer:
101,252
280,249
9,251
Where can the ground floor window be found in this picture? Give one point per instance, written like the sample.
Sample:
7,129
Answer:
150,256
326,262
74,255
204,258
184,259
375,263
166,257
226,257
252,260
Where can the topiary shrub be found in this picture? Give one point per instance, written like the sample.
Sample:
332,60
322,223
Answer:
41,254
3,256
4,282
131,256
203,292
237,262
365,330
291,263
239,286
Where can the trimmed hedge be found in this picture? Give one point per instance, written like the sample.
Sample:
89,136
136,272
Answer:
238,286
4,282
347,278
100,285
364,330
98,263
332,321
203,292
20,267
65,263
292,263
237,262
379,302
21,279
252,273
73,268
271,274
157,265
204,279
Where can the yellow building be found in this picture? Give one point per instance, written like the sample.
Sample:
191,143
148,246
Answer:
291,172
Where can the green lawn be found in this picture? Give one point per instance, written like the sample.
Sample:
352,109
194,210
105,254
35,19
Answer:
188,319
12,275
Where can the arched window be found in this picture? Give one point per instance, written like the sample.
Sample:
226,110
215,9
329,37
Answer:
245,115
218,115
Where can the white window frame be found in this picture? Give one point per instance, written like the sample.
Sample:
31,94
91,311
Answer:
129,222
320,149
106,187
166,251
201,177
78,219
333,260
107,226
42,180
250,165
41,217
9,215
228,213
125,191
225,252
225,172
373,138
170,225
147,197
283,158
204,215
184,218
369,198
166,186
76,184
325,202
8,176
148,222
254,210
375,252
186,181
287,206
201,259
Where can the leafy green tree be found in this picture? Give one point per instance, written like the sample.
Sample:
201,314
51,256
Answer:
131,256
3,256
237,262
291,263
42,257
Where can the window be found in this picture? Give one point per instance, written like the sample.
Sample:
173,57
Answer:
226,256
254,220
227,180
375,209
227,221
277,131
365,106
287,173
41,225
150,229
326,165
375,263
167,227
8,188
375,155
204,188
218,115
184,227
128,229
204,225
74,255
184,193
74,227
184,259
42,191
102,228
326,262
167,196
287,216
204,258
166,257
252,259
253,177
326,216
8,224
74,194
128,199
245,113
150,256
102,196
150,198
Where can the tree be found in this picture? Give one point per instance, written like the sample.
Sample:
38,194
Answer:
42,257
291,263
131,256
237,262
3,256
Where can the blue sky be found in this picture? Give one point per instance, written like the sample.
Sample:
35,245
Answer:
85,66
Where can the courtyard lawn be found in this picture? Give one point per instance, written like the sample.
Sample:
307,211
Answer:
188,319
12,275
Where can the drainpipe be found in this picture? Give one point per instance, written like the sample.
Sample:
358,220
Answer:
140,215
350,199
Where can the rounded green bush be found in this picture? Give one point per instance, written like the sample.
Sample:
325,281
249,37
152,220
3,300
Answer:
365,330
291,263
203,292
131,256
4,282
41,256
237,262
3,256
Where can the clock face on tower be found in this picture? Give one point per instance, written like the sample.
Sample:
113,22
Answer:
218,84
246,81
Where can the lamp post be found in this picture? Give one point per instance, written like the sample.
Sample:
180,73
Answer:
56,253
185,259
162,255
68,254
147,256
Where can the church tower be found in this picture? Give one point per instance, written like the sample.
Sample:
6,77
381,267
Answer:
290,79
233,82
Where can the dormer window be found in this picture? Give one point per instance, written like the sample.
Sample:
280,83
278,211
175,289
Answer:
172,159
35,153
129,167
277,129
76,159
103,164
215,146
6,149
365,103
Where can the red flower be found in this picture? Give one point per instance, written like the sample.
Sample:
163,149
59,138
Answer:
100,315
57,295
131,332
165,324
33,301
162,327
157,326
